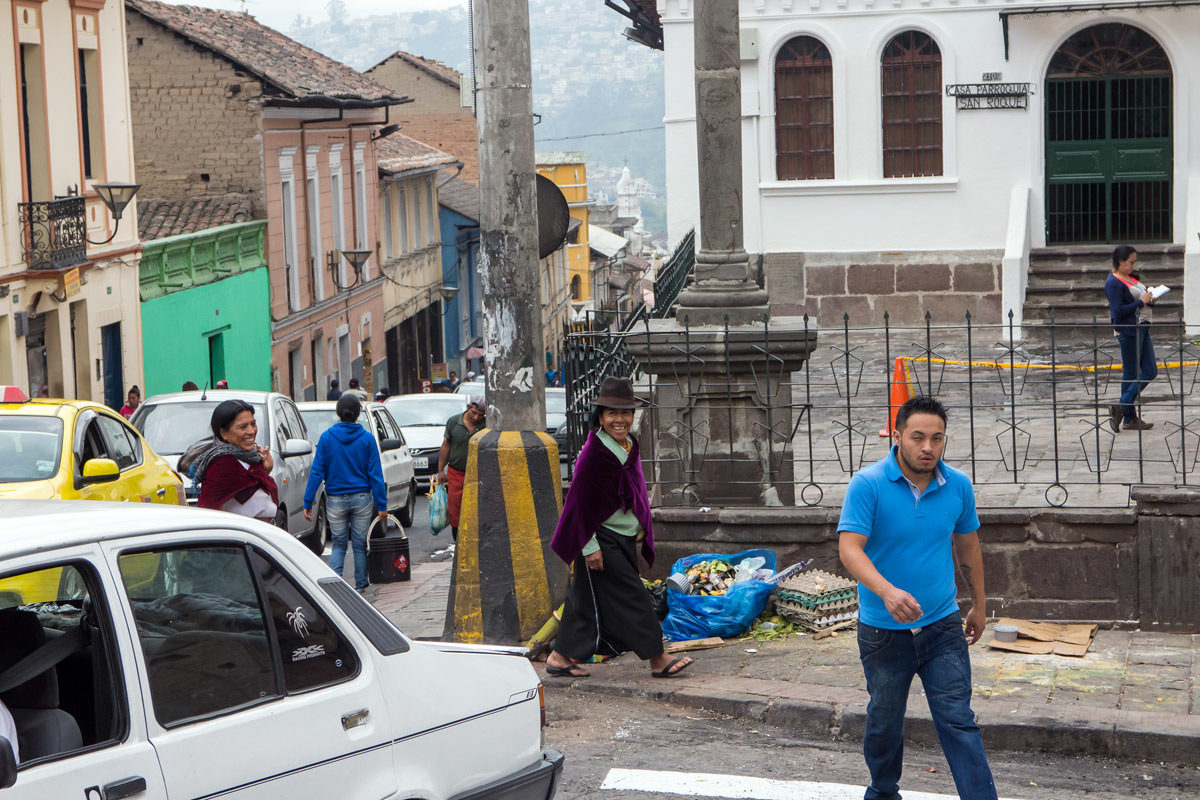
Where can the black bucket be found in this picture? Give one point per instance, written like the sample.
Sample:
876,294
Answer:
388,560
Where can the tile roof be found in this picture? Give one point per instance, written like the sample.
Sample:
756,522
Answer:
461,197
560,159
437,69
294,70
160,218
399,153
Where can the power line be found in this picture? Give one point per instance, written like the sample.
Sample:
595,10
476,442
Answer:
607,133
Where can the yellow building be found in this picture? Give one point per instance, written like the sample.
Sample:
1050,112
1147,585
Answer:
70,320
568,171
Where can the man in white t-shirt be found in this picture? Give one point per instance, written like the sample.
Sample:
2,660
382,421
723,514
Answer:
8,729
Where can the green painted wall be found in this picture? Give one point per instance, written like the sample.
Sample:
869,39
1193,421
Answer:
177,332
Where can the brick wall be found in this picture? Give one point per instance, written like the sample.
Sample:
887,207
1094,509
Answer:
430,95
905,285
194,115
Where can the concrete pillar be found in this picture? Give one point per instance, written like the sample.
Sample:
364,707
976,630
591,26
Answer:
722,287
1168,558
723,415
508,248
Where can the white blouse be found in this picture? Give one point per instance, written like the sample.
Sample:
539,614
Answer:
260,505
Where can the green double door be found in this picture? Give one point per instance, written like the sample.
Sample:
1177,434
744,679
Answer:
1108,159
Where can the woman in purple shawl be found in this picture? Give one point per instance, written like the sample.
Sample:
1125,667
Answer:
605,514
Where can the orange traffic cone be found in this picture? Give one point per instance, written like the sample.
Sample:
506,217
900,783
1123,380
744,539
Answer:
900,395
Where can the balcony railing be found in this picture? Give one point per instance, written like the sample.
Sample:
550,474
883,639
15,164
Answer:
52,233
175,263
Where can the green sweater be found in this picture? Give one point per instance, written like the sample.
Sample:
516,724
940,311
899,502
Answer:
622,522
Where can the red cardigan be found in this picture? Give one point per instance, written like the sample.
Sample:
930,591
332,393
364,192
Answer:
226,478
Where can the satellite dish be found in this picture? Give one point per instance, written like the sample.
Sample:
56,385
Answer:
554,217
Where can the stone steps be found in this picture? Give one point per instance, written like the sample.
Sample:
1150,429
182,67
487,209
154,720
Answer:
1070,282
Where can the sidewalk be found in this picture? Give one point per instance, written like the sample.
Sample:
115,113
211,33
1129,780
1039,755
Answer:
416,606
1135,695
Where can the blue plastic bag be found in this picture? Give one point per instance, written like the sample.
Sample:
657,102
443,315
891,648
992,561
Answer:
439,510
698,616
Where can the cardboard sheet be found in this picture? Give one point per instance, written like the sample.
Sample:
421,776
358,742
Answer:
1044,638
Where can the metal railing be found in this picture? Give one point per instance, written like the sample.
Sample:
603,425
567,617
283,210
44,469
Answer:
591,352
52,233
1029,422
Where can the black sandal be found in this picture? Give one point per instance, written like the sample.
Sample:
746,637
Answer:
668,673
567,672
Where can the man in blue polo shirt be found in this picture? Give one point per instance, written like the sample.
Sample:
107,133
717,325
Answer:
906,521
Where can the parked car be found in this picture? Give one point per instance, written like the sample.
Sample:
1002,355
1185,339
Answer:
174,422
472,388
422,420
75,450
209,655
394,454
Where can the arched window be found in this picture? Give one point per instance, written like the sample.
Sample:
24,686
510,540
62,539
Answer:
575,288
803,111
912,106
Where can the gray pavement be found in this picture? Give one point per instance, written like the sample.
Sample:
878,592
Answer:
1135,695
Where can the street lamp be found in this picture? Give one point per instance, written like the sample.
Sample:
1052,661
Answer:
448,294
115,196
355,258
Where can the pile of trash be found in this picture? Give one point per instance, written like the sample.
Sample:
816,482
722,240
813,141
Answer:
715,577
713,594
817,599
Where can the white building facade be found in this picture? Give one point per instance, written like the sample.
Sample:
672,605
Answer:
910,155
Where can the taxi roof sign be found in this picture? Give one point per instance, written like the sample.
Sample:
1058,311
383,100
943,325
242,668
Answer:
12,394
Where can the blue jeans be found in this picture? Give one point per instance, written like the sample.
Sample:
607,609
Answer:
1138,366
350,519
938,653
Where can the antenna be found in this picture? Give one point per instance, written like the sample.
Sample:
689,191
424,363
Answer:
204,392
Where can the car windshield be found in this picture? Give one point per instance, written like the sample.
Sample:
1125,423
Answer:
556,401
411,412
318,422
171,428
30,448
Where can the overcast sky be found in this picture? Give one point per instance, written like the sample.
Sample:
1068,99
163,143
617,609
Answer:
280,13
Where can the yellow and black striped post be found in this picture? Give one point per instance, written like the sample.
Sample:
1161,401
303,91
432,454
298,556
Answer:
506,580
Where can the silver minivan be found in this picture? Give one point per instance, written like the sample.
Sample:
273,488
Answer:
172,423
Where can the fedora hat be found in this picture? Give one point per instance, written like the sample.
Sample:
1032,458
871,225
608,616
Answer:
616,393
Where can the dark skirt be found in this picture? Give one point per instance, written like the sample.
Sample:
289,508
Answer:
609,611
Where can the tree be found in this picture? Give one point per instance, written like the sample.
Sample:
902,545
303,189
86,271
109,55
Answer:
336,9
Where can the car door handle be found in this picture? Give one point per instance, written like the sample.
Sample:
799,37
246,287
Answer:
126,787
161,493
355,718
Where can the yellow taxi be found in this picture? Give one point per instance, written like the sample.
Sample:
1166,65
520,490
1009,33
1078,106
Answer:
75,450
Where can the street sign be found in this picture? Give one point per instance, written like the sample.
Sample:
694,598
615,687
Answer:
71,283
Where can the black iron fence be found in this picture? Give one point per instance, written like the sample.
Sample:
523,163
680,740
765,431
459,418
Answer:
52,233
1029,420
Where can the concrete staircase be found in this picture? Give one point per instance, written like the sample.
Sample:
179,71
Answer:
1070,280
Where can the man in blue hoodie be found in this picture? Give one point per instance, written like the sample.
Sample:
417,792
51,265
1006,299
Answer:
348,461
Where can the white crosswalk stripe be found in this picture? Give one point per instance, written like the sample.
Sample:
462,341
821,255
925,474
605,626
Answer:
739,787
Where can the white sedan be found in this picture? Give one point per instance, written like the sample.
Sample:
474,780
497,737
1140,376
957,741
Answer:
422,419
394,454
203,655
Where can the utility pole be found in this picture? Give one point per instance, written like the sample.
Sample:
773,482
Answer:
506,580
508,248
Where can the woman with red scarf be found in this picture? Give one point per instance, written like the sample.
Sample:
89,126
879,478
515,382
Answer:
605,514
234,473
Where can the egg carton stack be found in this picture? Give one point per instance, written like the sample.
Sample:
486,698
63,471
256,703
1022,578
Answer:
817,599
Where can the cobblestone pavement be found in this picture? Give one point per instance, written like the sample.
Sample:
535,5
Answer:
416,606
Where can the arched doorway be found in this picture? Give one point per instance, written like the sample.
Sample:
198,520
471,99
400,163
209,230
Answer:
1108,138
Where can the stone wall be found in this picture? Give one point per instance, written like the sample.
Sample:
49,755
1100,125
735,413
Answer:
196,129
1053,564
946,284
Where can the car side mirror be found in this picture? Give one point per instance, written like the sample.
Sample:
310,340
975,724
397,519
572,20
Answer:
296,447
8,764
100,470
390,444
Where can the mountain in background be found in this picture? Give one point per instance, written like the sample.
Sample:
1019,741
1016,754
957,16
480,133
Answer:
587,78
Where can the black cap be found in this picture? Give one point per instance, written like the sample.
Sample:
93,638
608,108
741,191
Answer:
348,407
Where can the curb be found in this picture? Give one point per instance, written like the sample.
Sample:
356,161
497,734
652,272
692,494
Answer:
1063,730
